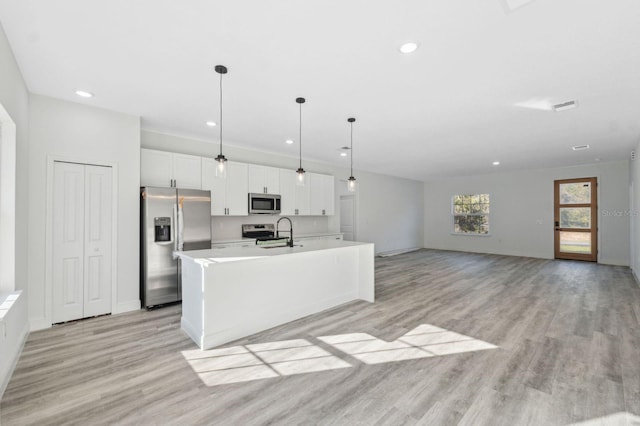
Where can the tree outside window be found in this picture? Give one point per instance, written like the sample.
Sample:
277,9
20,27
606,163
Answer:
470,214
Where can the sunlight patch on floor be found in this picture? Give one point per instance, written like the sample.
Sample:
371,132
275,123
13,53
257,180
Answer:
288,357
260,361
423,341
617,419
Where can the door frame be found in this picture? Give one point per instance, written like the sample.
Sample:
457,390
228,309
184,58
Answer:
48,270
595,244
354,196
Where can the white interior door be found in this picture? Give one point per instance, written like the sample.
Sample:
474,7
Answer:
81,241
97,237
348,217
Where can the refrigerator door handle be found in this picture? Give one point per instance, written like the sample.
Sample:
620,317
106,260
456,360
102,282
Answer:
175,227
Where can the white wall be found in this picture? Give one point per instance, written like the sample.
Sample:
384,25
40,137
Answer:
14,100
634,213
390,209
81,133
519,200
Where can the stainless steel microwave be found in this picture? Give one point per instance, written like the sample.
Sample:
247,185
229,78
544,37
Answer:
264,204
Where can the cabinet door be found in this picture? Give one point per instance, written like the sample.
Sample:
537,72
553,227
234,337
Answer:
264,179
303,204
329,195
187,170
316,194
217,186
272,180
321,194
287,192
237,189
156,168
257,179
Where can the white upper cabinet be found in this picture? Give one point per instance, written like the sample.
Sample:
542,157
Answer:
287,192
187,170
264,179
229,196
167,169
321,194
156,168
237,189
295,198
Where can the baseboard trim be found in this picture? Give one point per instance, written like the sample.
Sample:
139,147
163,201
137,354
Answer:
131,305
39,324
396,252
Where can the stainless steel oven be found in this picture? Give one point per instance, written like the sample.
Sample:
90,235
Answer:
264,204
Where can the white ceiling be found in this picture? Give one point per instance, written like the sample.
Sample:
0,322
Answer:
448,109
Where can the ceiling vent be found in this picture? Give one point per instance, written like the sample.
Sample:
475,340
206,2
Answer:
565,106
580,147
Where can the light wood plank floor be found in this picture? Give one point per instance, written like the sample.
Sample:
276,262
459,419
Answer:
567,333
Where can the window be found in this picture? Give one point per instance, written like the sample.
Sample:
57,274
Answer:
470,214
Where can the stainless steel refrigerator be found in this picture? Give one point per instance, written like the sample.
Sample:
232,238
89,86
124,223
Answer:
170,219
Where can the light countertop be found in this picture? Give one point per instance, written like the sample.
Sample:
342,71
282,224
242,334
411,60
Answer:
237,253
295,237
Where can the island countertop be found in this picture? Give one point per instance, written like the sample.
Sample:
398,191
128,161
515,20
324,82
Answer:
233,254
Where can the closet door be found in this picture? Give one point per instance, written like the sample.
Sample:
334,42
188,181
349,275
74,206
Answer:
97,237
68,242
81,245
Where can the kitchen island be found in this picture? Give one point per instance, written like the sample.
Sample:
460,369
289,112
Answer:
233,292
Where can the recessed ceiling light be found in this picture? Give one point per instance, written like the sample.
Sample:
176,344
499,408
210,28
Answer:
580,147
565,106
409,47
288,141
84,94
343,154
211,123
496,163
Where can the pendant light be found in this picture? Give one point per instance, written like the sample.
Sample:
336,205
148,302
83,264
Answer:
221,170
351,182
300,171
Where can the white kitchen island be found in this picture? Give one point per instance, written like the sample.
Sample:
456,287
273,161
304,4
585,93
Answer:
229,293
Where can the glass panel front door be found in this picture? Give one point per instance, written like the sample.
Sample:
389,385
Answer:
576,219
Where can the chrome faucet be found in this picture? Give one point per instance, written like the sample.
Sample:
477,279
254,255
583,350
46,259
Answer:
290,231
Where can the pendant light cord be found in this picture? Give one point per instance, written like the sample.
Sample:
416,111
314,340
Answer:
351,148
220,114
300,136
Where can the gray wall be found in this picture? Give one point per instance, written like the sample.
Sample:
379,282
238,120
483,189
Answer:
83,134
390,209
522,199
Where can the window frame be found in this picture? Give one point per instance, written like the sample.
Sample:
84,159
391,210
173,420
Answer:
481,213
